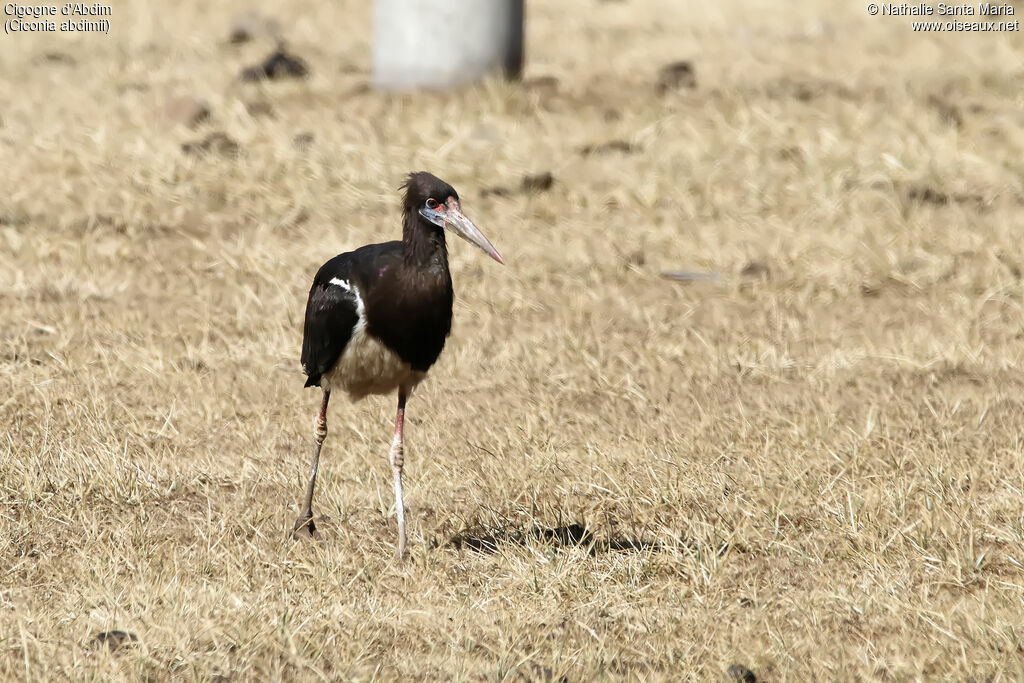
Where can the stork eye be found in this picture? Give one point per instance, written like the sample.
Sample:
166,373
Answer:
432,203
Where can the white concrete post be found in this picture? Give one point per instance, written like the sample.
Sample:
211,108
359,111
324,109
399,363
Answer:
444,43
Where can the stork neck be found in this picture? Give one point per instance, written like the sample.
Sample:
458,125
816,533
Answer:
424,242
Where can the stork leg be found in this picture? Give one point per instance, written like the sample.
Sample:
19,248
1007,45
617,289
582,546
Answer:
304,526
397,461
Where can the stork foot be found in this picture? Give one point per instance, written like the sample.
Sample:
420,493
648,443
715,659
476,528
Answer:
305,529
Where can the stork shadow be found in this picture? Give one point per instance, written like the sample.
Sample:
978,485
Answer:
568,536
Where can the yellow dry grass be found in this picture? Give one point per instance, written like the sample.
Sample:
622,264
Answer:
811,466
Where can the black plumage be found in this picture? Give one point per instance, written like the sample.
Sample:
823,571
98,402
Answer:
407,308
377,318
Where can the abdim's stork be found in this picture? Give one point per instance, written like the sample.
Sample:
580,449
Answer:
377,318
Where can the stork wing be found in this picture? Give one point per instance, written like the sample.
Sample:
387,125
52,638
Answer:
332,313
334,307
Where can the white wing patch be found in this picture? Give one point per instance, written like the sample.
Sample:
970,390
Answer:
337,281
341,283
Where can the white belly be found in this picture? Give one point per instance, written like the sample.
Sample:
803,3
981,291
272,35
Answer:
368,367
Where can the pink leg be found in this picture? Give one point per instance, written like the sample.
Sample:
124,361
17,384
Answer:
397,461
304,526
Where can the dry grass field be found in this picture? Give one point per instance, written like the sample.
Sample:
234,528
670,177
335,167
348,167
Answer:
810,464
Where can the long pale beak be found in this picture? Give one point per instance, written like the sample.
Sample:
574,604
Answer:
450,216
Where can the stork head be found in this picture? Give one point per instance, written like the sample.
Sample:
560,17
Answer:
437,202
